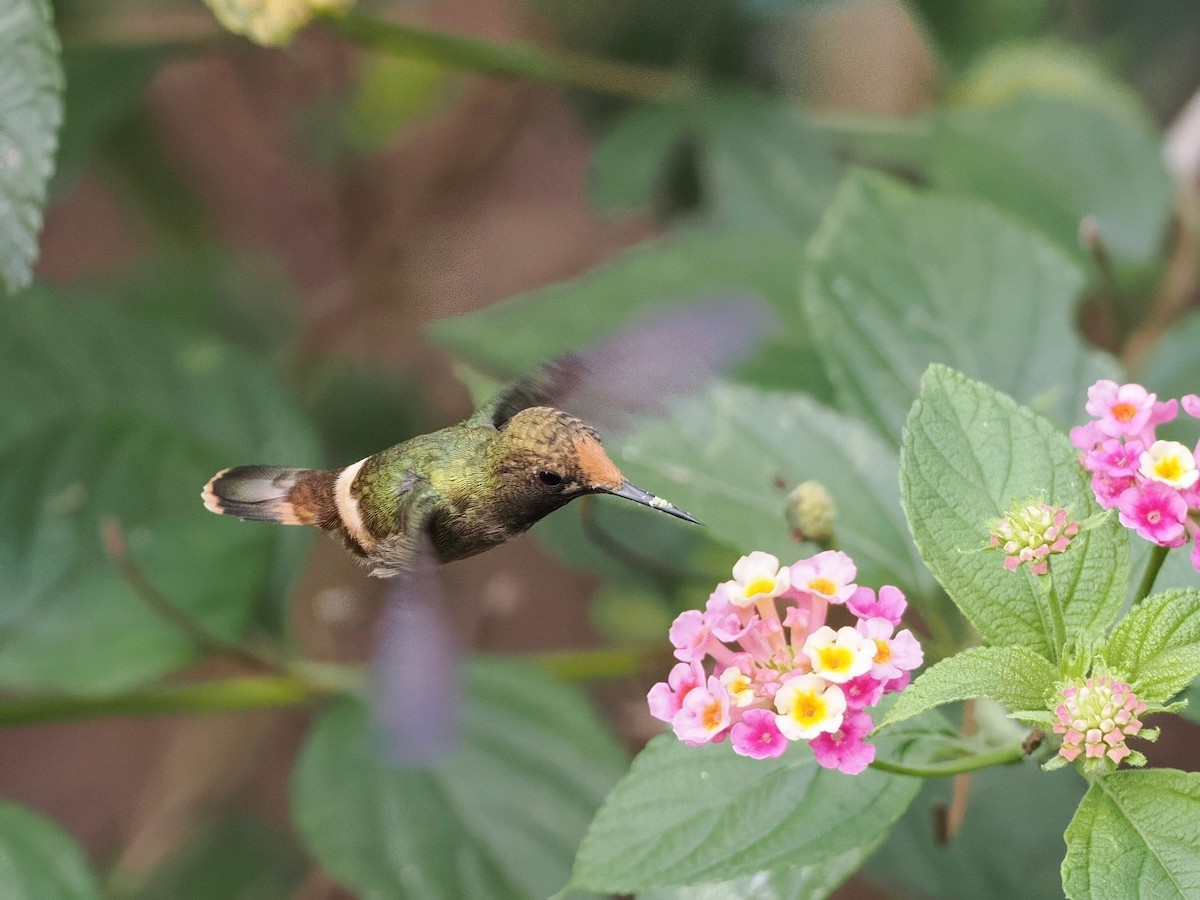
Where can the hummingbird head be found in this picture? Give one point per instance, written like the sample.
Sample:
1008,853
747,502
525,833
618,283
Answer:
543,458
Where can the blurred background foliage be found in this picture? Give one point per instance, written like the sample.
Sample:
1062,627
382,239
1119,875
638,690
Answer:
243,249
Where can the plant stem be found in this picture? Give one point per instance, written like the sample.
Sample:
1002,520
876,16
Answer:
513,60
215,695
1058,624
1001,756
1153,564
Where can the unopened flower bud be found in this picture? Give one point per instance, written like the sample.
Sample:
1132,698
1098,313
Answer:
810,513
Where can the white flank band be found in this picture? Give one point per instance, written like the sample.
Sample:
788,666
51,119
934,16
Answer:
347,506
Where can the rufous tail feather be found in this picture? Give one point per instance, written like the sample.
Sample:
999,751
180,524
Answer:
273,494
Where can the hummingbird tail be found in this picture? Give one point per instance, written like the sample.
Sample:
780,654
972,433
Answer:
272,494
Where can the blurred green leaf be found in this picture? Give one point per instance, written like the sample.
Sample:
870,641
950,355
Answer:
511,338
759,163
1025,154
969,453
897,280
390,91
1172,369
31,85
685,815
1048,69
730,458
1008,845
1134,835
106,417
502,817
965,28
1157,646
40,861
103,88
811,882
236,858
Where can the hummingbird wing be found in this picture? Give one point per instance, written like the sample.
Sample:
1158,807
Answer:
414,690
638,370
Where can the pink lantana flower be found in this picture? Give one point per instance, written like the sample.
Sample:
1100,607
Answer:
704,714
665,699
1155,511
845,749
828,576
890,604
756,577
1159,497
766,670
893,654
1126,410
757,735
1096,717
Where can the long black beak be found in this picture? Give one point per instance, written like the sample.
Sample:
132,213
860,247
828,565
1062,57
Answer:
637,495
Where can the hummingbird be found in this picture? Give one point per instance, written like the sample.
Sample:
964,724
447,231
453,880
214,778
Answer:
453,493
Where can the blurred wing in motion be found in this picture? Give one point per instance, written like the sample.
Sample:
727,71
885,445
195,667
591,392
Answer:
414,689
640,369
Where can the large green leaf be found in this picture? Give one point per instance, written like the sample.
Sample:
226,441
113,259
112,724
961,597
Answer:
39,861
31,85
1025,155
502,817
511,338
724,458
685,815
759,164
105,418
811,882
1134,835
897,280
1006,847
1157,646
1016,677
236,858
969,453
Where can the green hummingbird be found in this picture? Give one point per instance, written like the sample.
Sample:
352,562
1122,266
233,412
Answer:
453,493
517,459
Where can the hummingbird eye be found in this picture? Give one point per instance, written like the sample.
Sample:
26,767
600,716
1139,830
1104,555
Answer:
549,479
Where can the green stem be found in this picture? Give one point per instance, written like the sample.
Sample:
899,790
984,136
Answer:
1058,623
513,60
1001,756
215,695
1153,564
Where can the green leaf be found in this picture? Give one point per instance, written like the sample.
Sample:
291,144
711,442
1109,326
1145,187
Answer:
1134,835
897,280
31,85
500,818
1157,646
1024,154
1013,676
1048,69
513,337
963,28
811,882
969,453
730,458
1004,849
236,857
685,815
108,418
759,163
40,861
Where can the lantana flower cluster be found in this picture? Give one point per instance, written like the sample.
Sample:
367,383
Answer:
1153,484
1096,716
759,665
1031,534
